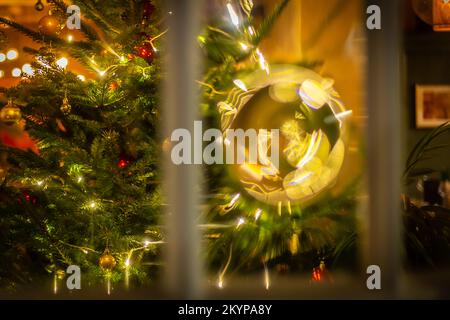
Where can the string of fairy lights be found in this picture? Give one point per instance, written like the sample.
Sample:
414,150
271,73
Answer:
93,205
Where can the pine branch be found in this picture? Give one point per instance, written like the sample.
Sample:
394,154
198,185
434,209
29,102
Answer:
268,22
36,36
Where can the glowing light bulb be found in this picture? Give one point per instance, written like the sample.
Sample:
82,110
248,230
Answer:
123,59
16,72
80,179
26,68
81,77
244,46
69,38
93,205
12,54
102,73
85,251
240,222
127,262
2,57
146,243
40,183
62,63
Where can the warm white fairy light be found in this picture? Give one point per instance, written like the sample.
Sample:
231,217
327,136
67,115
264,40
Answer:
93,205
258,214
233,16
85,251
241,85
16,72
81,77
102,73
80,179
2,57
220,283
62,62
240,222
146,243
69,38
12,54
40,183
266,277
26,68
243,46
123,59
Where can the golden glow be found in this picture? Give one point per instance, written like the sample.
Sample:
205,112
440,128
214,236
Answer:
81,77
266,277
2,73
12,54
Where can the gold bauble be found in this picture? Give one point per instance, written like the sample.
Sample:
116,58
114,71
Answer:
65,107
303,107
10,114
107,261
49,25
71,35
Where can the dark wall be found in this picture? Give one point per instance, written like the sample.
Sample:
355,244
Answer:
427,61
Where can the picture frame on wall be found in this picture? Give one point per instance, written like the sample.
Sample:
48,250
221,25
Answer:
432,105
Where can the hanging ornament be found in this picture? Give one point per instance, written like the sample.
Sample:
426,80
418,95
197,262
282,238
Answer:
49,25
39,6
305,109
66,107
145,51
107,261
10,114
321,274
123,163
70,35
433,12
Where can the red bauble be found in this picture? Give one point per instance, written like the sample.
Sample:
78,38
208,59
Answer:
28,198
145,51
123,163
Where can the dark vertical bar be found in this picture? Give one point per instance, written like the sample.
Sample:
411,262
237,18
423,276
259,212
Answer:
384,137
182,181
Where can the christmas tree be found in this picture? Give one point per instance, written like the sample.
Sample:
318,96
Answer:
80,183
